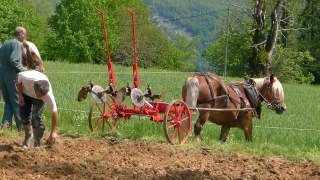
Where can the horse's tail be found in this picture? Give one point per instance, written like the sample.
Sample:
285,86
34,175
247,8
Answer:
192,86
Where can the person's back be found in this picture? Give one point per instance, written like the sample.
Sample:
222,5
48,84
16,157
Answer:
10,66
10,53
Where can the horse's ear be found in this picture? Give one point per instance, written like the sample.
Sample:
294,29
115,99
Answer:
272,78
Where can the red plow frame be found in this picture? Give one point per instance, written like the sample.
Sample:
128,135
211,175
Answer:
106,110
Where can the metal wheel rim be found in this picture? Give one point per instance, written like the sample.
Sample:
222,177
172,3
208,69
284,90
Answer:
177,122
106,115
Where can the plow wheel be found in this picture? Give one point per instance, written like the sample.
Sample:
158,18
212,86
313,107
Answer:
102,115
177,122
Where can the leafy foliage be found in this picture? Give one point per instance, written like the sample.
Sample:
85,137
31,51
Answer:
77,36
288,63
292,67
13,13
153,46
77,33
238,53
10,15
36,13
309,39
29,14
192,17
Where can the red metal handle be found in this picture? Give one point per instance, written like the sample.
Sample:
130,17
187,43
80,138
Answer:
109,63
136,81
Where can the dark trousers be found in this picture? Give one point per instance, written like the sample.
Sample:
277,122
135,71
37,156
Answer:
31,112
10,96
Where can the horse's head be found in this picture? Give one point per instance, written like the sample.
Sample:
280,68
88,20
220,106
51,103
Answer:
31,57
83,92
271,91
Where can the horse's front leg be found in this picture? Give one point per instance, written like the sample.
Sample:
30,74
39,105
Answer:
247,128
224,133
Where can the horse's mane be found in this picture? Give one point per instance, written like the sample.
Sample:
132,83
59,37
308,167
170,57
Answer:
276,86
33,48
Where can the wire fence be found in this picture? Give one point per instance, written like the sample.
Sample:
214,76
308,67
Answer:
159,72
262,127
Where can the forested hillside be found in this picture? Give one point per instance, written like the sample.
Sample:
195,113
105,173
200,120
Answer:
194,17
202,19
189,16
234,37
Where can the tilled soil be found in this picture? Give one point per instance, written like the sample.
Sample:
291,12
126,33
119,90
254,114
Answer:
84,158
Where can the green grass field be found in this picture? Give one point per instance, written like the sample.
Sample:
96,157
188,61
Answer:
294,134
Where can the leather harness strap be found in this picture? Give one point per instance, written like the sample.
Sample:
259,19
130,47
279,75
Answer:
207,78
243,101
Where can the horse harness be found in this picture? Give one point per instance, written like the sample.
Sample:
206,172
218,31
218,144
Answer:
243,101
250,91
213,98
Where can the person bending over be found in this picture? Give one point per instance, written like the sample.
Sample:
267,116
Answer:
35,91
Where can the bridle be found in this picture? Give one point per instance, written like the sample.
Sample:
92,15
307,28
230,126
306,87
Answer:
274,103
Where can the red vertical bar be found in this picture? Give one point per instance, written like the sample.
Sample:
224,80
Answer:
109,63
136,81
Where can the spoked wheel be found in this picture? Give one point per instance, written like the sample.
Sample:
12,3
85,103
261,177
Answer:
177,122
103,115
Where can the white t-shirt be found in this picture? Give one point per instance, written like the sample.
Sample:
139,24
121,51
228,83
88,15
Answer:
27,78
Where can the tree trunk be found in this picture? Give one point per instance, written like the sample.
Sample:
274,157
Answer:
263,48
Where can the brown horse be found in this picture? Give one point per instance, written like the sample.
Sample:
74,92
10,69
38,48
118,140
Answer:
233,105
31,57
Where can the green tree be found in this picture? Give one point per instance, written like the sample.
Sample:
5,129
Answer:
188,51
12,14
77,34
154,48
24,13
37,13
292,66
310,38
264,44
238,53
10,17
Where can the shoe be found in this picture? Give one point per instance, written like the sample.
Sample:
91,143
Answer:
28,136
37,136
5,125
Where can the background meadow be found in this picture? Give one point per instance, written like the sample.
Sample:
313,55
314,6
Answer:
294,134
